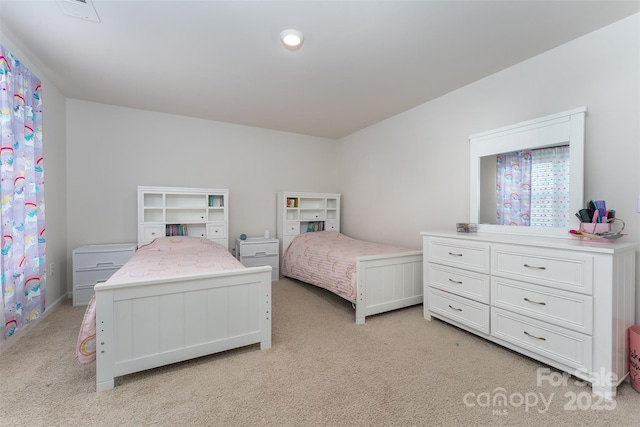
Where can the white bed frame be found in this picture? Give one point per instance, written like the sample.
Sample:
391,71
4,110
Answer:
147,324
387,282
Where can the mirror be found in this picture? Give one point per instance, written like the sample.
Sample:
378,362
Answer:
561,135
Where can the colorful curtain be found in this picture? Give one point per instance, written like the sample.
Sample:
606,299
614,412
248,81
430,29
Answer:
22,256
550,187
513,187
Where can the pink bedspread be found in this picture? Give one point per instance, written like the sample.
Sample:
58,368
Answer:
328,259
175,256
164,257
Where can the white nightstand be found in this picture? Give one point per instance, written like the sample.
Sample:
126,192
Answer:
256,251
93,264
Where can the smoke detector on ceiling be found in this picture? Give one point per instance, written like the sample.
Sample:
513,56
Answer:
83,9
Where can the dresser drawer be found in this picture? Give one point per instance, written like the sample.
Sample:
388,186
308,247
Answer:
566,309
98,258
461,254
464,311
461,282
557,269
562,345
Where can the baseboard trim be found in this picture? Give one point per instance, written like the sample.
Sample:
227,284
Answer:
7,343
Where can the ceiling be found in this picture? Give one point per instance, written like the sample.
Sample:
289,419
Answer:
361,62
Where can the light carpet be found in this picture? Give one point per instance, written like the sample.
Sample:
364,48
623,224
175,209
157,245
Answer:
322,370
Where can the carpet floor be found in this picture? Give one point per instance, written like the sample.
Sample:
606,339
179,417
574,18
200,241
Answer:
322,370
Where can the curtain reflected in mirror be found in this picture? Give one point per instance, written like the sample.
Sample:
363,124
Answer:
526,188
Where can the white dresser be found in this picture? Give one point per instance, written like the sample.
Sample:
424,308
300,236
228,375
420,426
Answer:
563,302
257,251
93,264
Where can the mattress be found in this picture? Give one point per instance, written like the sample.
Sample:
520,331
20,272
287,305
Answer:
165,257
328,259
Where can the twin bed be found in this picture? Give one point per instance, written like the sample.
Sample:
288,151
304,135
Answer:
180,297
176,299
375,278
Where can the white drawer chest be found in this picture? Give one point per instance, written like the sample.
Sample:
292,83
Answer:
257,251
93,264
563,302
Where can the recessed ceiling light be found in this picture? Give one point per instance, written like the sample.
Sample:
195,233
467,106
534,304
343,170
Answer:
292,39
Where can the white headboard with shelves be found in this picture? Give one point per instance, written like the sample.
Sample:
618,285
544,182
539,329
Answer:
180,211
299,212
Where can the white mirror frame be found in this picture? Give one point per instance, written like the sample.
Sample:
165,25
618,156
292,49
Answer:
557,129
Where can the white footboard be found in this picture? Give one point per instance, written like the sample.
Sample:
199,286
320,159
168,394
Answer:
388,282
147,324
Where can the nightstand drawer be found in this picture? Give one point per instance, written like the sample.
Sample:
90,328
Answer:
271,261
82,295
111,257
91,277
259,249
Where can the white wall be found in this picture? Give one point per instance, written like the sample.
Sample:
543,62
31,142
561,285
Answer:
410,173
54,134
111,150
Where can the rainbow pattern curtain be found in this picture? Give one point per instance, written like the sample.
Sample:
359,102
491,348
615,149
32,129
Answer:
513,188
532,187
22,257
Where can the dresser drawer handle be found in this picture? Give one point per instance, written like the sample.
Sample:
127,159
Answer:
534,267
452,254
533,336
534,302
455,281
453,308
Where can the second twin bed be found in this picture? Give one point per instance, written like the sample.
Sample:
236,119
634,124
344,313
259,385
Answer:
374,277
